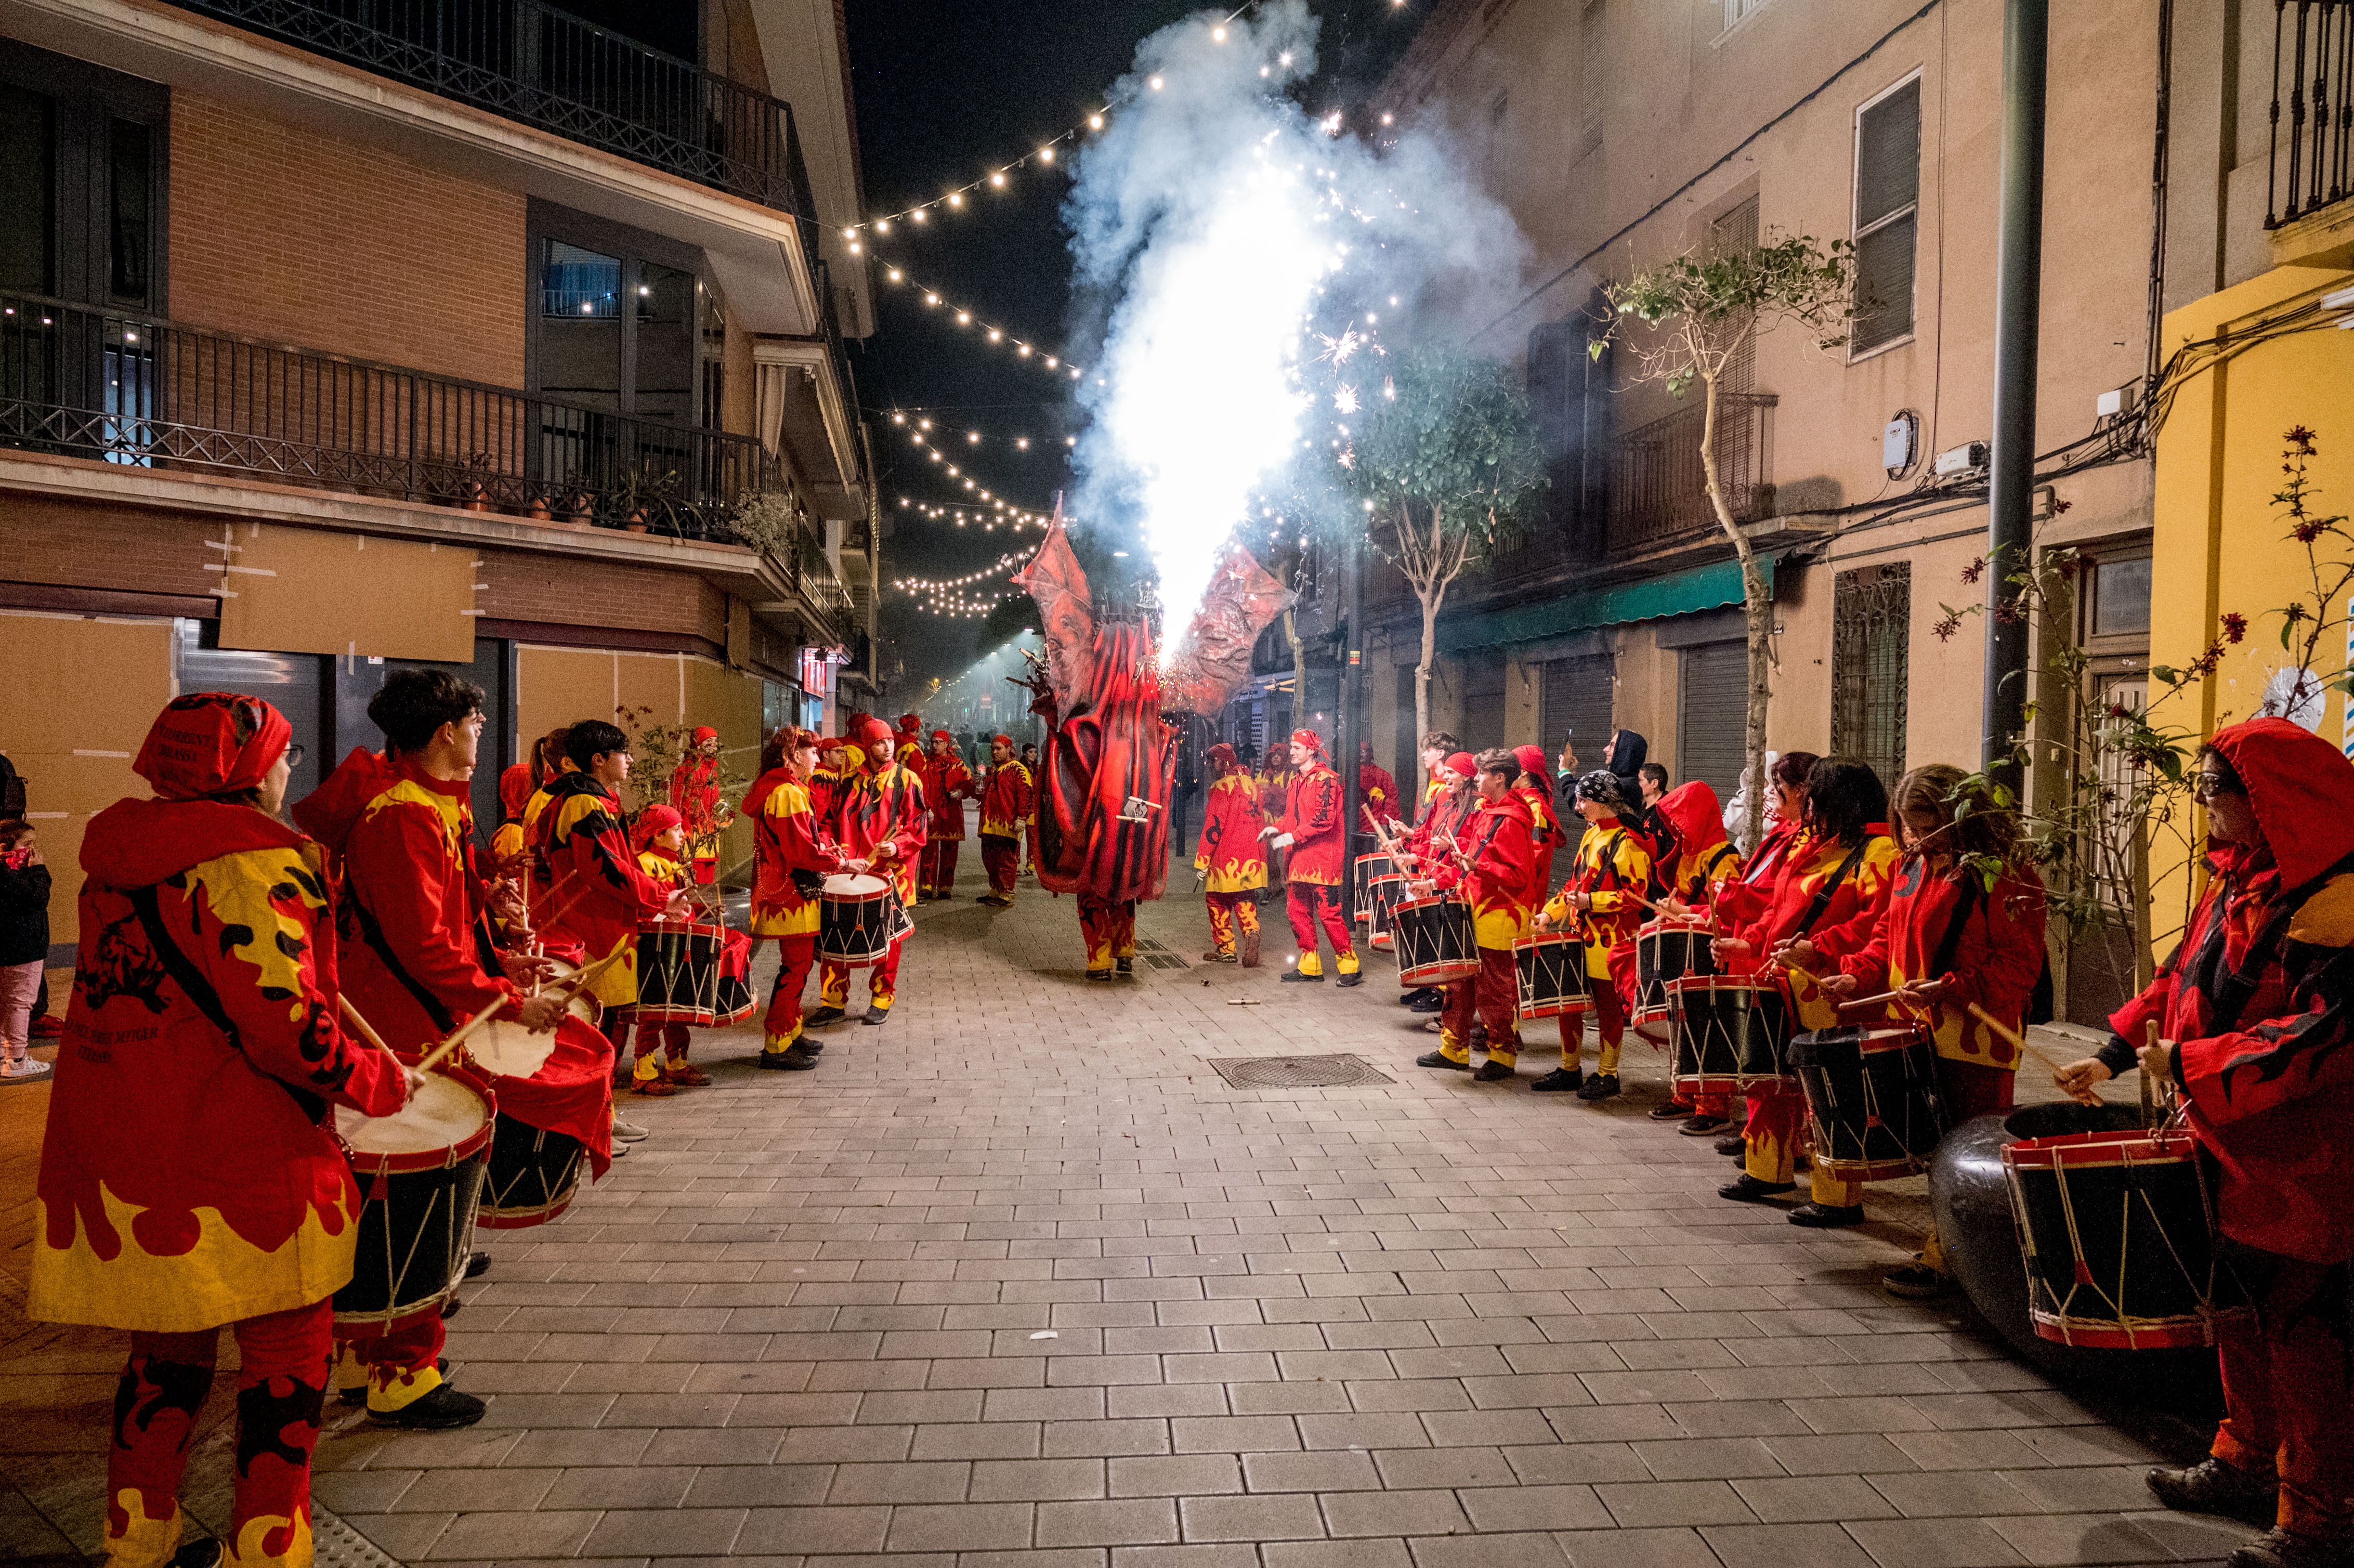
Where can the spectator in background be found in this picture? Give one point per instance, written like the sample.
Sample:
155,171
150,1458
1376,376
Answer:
1625,757
24,948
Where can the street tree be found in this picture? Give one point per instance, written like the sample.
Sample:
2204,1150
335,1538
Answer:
1700,314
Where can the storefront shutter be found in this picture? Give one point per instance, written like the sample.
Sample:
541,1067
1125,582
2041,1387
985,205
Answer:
1710,716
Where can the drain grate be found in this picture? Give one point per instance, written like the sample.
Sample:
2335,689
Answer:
1343,1072
1165,962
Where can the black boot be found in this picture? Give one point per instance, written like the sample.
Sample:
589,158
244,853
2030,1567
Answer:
1561,1080
1827,1217
1441,1059
2213,1486
441,1410
824,1017
1747,1189
1493,1072
792,1059
1601,1087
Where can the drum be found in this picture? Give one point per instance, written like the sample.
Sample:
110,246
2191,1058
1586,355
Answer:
1707,1059
1872,1096
1434,941
2119,1249
1749,1019
678,972
505,1049
857,918
1382,895
534,1176
421,1175
1369,866
1668,950
738,1001
1550,969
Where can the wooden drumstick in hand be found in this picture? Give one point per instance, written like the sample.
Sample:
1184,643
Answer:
458,1038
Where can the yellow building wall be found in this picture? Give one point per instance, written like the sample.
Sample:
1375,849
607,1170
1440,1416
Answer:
2218,545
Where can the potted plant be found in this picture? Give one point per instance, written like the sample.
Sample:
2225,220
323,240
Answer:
768,522
644,495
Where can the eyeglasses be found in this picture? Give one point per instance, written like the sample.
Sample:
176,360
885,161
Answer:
2206,786
293,756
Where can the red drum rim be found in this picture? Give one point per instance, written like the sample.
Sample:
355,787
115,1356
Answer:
1643,1015
1396,876
522,1218
1438,972
2187,1331
1706,1083
2097,1151
667,1012
1403,905
1557,1010
1376,854
1683,983
655,925
1663,925
1549,939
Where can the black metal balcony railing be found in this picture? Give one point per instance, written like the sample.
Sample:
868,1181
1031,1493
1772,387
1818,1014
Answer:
533,63
2313,55
133,390
1659,489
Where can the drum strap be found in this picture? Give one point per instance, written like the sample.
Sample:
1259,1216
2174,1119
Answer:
200,991
1822,900
1942,962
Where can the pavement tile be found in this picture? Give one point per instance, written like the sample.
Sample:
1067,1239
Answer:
1776,1545
1275,1517
1394,1514
1127,1522
959,1527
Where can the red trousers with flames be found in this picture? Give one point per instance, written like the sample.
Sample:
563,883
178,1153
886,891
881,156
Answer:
1001,859
937,870
1231,913
1490,997
1314,904
1109,926
781,1028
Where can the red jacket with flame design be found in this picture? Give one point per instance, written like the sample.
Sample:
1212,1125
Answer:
948,785
1311,815
1504,884
594,887
1007,802
1232,856
791,856
875,805
1997,953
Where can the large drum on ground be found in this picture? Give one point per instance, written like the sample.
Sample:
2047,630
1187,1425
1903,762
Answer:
421,1176
532,1178
1382,896
2117,1233
1369,866
1748,1018
1871,1097
858,919
1668,950
1550,971
678,972
1436,943
1707,1058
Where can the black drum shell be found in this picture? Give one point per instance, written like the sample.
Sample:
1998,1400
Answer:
1835,1074
1970,1201
1692,948
532,1177
425,1217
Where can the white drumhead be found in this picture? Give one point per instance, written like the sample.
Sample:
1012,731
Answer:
506,1048
843,884
441,1112
582,1006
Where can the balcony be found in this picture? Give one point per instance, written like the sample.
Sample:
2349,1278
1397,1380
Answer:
544,68
2313,56
141,392
1658,492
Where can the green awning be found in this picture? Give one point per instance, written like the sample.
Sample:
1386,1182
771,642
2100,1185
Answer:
1676,593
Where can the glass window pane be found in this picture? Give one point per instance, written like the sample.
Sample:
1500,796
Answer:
28,191
1883,283
577,283
665,378
580,327
130,217
1888,155
2121,598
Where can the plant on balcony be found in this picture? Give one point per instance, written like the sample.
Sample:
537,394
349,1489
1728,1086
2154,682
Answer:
645,495
1443,469
768,522
1701,313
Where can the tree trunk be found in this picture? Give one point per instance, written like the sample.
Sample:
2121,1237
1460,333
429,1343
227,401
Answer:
1430,597
1758,608
1299,666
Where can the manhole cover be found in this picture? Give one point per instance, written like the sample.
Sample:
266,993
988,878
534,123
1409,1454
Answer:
1298,1072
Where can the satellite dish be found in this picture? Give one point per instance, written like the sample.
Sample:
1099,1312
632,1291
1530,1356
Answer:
2297,696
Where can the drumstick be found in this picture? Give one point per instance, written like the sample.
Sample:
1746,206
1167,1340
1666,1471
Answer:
1884,997
2148,1106
2010,1036
459,1038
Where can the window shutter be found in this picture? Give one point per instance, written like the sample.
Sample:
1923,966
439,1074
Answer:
1711,717
1887,216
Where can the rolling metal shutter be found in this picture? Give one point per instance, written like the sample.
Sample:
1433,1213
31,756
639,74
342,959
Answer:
1575,704
1715,684
1483,703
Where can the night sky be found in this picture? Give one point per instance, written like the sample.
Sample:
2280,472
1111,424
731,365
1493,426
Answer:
946,89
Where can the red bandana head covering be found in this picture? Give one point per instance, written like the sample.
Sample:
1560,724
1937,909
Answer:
1007,739
652,823
1532,759
911,721
1308,739
943,734
1462,765
515,789
211,742
1224,755
703,733
828,743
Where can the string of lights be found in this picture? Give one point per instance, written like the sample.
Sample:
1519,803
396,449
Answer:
921,426
955,605
991,332
956,474
991,521
1003,564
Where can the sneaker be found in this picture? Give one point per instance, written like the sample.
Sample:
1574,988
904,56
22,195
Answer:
1493,1072
1735,1146
1916,1282
1747,1189
1124,968
1561,1080
205,1551
1433,1027
2278,1548
993,901
815,1047
1601,1087
1215,957
1703,1125
1416,997
876,1017
1293,977
630,1131
477,1264
439,1411
792,1059
1441,1059
1827,1217
1354,977
824,1017
1104,976
1434,1002
619,1150
2213,1486
1672,1110
47,1026
32,1069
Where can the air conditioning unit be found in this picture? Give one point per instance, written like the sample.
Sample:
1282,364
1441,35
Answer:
1960,458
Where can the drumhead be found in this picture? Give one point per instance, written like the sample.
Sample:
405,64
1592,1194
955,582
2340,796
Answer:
582,1006
504,1047
843,885
441,1113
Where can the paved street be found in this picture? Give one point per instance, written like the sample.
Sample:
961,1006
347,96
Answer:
1019,1280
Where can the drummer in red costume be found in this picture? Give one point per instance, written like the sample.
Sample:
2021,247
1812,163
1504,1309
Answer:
2253,1013
1948,942
594,888
1496,873
1232,860
1314,836
824,781
879,816
1376,789
1597,904
792,857
401,828
1829,893
908,742
190,1177
660,1068
1689,883
1006,802
1441,793
694,796
948,785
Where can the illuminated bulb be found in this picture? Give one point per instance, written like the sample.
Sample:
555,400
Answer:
893,274
922,424
1264,71
853,250
995,335
1387,118
932,299
849,233
1045,155
1020,443
964,318
973,437
1095,122
898,418
1023,351
998,179
881,226
1075,373
1070,440
1050,358
918,215
1155,84
1217,35
1284,59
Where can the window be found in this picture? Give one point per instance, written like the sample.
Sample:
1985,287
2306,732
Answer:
2119,600
618,324
1872,633
1735,234
28,191
1593,73
81,181
1738,11
1887,210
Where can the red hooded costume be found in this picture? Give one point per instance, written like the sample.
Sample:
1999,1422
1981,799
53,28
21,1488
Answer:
791,858
593,882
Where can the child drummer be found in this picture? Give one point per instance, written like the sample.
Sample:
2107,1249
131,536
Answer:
1600,901
659,836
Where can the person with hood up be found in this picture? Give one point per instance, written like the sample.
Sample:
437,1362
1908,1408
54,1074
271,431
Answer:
1232,861
1624,758
1311,830
1496,873
1703,863
1007,800
190,1175
2255,1018
948,785
1376,788
824,782
1534,788
1597,903
1441,786
509,858
400,828
878,816
1037,788
792,854
908,742
694,796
